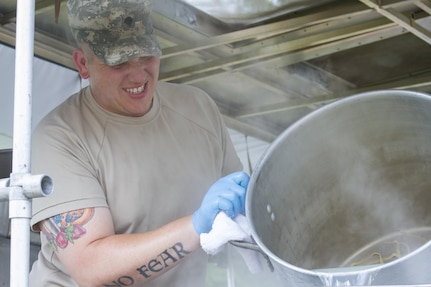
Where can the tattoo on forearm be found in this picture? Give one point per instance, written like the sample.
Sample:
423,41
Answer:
161,262
64,228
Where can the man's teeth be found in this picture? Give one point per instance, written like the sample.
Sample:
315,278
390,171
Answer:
136,90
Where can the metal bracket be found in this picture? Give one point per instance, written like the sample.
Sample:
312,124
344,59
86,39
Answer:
23,186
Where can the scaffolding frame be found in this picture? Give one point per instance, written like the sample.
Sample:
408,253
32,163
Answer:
22,186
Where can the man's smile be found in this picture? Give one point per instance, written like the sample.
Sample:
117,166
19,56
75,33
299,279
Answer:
135,91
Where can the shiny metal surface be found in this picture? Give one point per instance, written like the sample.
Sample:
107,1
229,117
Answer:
251,11
338,182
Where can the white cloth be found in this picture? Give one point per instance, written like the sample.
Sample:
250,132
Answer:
225,229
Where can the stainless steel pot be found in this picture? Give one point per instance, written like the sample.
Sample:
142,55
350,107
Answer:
343,196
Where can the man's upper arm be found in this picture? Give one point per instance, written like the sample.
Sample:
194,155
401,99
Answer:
70,233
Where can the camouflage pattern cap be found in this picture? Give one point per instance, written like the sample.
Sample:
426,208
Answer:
115,30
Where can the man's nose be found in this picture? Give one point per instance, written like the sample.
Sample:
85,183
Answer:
137,69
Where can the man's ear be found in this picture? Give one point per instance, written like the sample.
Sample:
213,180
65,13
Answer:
81,63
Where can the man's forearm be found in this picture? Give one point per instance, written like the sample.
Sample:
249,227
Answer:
128,259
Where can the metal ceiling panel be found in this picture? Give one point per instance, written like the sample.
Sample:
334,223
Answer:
251,11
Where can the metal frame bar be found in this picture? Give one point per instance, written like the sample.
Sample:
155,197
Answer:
19,205
21,187
407,23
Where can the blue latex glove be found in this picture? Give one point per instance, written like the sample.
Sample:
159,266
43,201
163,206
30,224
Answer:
228,195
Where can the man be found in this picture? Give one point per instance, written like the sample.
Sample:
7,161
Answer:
140,168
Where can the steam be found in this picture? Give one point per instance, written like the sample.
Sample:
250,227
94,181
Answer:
376,207
368,206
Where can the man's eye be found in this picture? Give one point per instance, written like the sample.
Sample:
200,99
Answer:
118,66
145,59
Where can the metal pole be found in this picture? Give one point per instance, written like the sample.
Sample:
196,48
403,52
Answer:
21,187
19,204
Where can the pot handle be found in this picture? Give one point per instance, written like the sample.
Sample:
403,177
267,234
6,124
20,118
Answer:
254,247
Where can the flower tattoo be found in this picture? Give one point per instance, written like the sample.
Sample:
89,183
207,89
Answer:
65,228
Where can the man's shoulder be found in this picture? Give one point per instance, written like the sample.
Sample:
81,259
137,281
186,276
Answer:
71,103
167,90
66,114
178,95
189,102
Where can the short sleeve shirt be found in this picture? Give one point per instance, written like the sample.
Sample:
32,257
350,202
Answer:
147,170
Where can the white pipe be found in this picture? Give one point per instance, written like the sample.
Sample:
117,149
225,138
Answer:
19,204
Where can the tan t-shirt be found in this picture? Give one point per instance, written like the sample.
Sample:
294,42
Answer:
148,170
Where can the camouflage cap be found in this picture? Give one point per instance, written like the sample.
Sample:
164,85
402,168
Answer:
115,30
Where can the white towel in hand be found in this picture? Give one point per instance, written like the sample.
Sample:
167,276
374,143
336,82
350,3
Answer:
225,229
